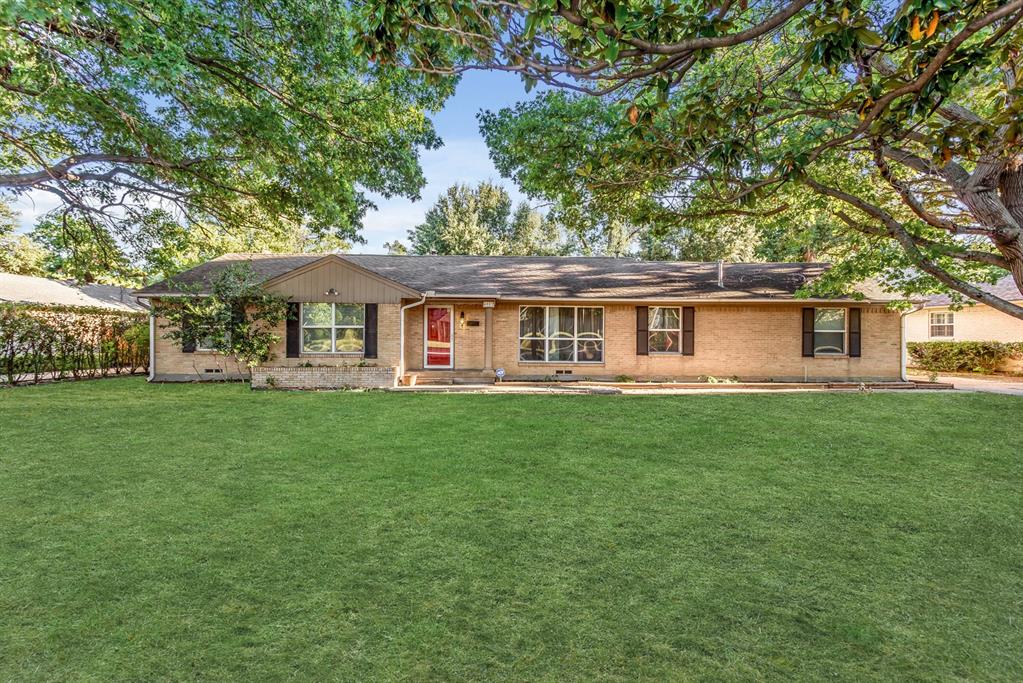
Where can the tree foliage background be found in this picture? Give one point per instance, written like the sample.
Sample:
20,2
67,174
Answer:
144,118
903,122
481,221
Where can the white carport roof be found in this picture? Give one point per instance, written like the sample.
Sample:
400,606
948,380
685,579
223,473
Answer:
26,289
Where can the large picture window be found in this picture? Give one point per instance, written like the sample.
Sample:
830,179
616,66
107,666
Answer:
829,331
561,334
665,329
942,325
333,328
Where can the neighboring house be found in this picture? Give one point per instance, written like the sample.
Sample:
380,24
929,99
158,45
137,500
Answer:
40,291
536,317
936,321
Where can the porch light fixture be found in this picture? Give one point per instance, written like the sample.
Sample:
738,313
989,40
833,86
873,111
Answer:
331,292
461,320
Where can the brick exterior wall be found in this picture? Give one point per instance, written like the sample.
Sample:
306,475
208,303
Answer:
752,342
172,364
323,377
749,342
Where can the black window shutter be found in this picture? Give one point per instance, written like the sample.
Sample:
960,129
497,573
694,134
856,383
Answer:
294,331
807,332
187,341
688,330
370,339
642,335
854,332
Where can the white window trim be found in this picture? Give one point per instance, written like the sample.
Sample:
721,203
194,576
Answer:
575,338
426,334
950,322
333,330
845,331
651,330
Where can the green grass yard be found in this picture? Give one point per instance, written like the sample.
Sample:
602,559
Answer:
207,532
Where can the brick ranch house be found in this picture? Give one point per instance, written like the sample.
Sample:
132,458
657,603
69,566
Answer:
362,320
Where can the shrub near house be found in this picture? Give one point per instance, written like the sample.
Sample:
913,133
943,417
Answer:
944,336
978,356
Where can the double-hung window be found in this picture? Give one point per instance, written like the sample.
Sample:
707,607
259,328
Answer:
829,331
333,328
209,342
561,334
665,329
205,344
942,325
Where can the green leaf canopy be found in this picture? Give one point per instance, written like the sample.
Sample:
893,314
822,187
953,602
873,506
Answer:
219,113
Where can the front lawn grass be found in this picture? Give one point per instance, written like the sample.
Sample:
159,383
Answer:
183,532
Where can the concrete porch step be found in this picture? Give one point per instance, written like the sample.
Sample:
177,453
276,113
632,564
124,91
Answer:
450,377
448,381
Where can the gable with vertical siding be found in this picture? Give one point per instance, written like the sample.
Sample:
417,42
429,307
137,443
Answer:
353,284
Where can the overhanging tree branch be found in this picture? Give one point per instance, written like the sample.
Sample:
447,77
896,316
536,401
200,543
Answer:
895,230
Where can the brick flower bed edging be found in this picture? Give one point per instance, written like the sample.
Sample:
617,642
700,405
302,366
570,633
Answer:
323,377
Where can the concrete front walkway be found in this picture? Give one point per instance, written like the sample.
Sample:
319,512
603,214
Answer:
666,389
991,385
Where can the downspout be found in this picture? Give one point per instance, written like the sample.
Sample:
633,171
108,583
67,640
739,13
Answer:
152,344
904,359
401,332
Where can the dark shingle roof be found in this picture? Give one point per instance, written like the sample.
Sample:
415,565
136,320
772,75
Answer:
590,278
544,277
1003,289
264,267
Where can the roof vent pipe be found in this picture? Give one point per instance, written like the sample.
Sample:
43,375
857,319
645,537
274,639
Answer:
721,273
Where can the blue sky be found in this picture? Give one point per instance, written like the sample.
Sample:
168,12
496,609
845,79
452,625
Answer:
462,159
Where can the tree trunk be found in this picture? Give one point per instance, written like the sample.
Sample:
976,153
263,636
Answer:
1010,186
1012,250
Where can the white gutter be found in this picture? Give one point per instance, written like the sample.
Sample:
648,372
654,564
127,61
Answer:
401,331
633,300
673,300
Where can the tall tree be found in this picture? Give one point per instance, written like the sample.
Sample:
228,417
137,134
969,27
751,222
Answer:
76,252
464,220
18,254
533,234
479,221
395,248
726,102
213,113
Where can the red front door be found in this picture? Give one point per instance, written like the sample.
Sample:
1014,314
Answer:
439,344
